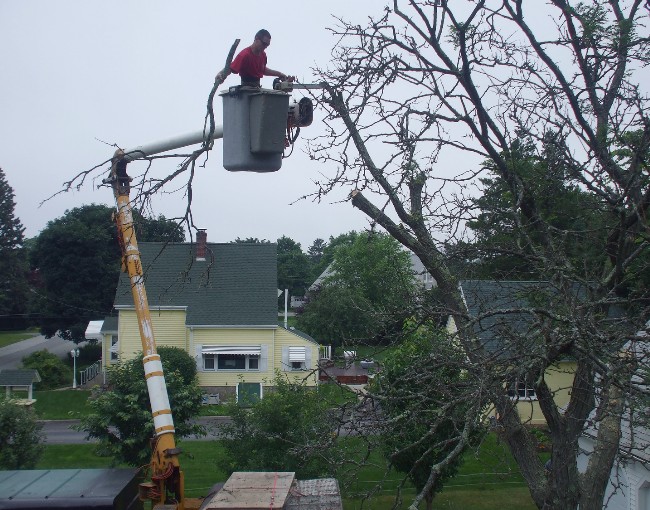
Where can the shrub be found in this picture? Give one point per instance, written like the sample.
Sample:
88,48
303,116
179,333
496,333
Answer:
53,371
89,353
288,430
177,359
21,440
120,418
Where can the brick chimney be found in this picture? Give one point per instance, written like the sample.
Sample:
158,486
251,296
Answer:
201,243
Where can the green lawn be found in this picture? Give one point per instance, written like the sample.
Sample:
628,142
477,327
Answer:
11,337
487,480
61,404
197,461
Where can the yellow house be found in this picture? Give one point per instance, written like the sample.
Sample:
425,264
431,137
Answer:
218,302
496,307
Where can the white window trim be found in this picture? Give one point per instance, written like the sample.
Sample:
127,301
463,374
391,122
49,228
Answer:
514,390
114,349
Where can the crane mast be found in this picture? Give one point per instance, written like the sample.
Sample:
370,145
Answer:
166,476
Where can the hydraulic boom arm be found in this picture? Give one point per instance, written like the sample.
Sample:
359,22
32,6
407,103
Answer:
167,485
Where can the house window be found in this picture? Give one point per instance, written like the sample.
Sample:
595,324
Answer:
238,362
521,389
297,358
115,348
208,361
231,358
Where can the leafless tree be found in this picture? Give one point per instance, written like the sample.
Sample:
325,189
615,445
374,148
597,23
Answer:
148,185
427,86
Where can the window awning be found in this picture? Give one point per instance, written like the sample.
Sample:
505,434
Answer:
297,354
242,350
94,330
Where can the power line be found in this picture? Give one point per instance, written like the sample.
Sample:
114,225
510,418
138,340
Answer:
67,304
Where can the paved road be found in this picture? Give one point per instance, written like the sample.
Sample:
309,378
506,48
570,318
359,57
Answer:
61,431
12,355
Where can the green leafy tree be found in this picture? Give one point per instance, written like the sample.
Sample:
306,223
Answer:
53,371
369,292
161,229
178,360
330,249
293,267
416,365
78,260
337,316
120,417
288,430
13,269
21,439
250,240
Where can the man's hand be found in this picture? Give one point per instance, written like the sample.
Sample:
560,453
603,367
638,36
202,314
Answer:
221,76
284,77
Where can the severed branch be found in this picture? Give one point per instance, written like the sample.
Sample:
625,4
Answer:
148,186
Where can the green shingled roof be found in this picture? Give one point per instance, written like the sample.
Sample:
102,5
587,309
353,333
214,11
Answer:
497,306
235,286
110,325
21,377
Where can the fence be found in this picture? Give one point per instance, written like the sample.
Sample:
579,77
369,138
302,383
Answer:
89,373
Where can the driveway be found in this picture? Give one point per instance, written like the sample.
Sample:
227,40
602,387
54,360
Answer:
12,355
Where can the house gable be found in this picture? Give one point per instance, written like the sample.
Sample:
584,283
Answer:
501,323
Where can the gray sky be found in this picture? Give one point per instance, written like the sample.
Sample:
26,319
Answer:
78,73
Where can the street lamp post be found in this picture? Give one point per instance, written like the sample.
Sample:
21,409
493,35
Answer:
75,355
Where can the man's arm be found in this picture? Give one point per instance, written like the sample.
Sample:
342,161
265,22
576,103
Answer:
272,72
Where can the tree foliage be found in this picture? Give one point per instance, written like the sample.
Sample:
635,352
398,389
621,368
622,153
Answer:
495,252
287,430
120,417
293,267
13,269
367,294
413,437
549,95
160,229
315,254
78,259
21,439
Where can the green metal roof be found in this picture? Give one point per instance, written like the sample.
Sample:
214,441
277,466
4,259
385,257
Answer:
101,489
235,286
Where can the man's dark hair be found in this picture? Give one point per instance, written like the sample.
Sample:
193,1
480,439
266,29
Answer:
262,33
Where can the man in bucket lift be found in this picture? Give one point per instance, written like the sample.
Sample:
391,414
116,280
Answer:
250,63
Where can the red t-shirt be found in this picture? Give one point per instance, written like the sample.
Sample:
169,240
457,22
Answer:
248,64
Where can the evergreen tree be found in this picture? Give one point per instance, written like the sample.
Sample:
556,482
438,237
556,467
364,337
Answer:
13,270
293,267
316,250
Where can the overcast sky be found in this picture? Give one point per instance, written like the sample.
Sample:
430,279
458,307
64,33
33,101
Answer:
78,74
